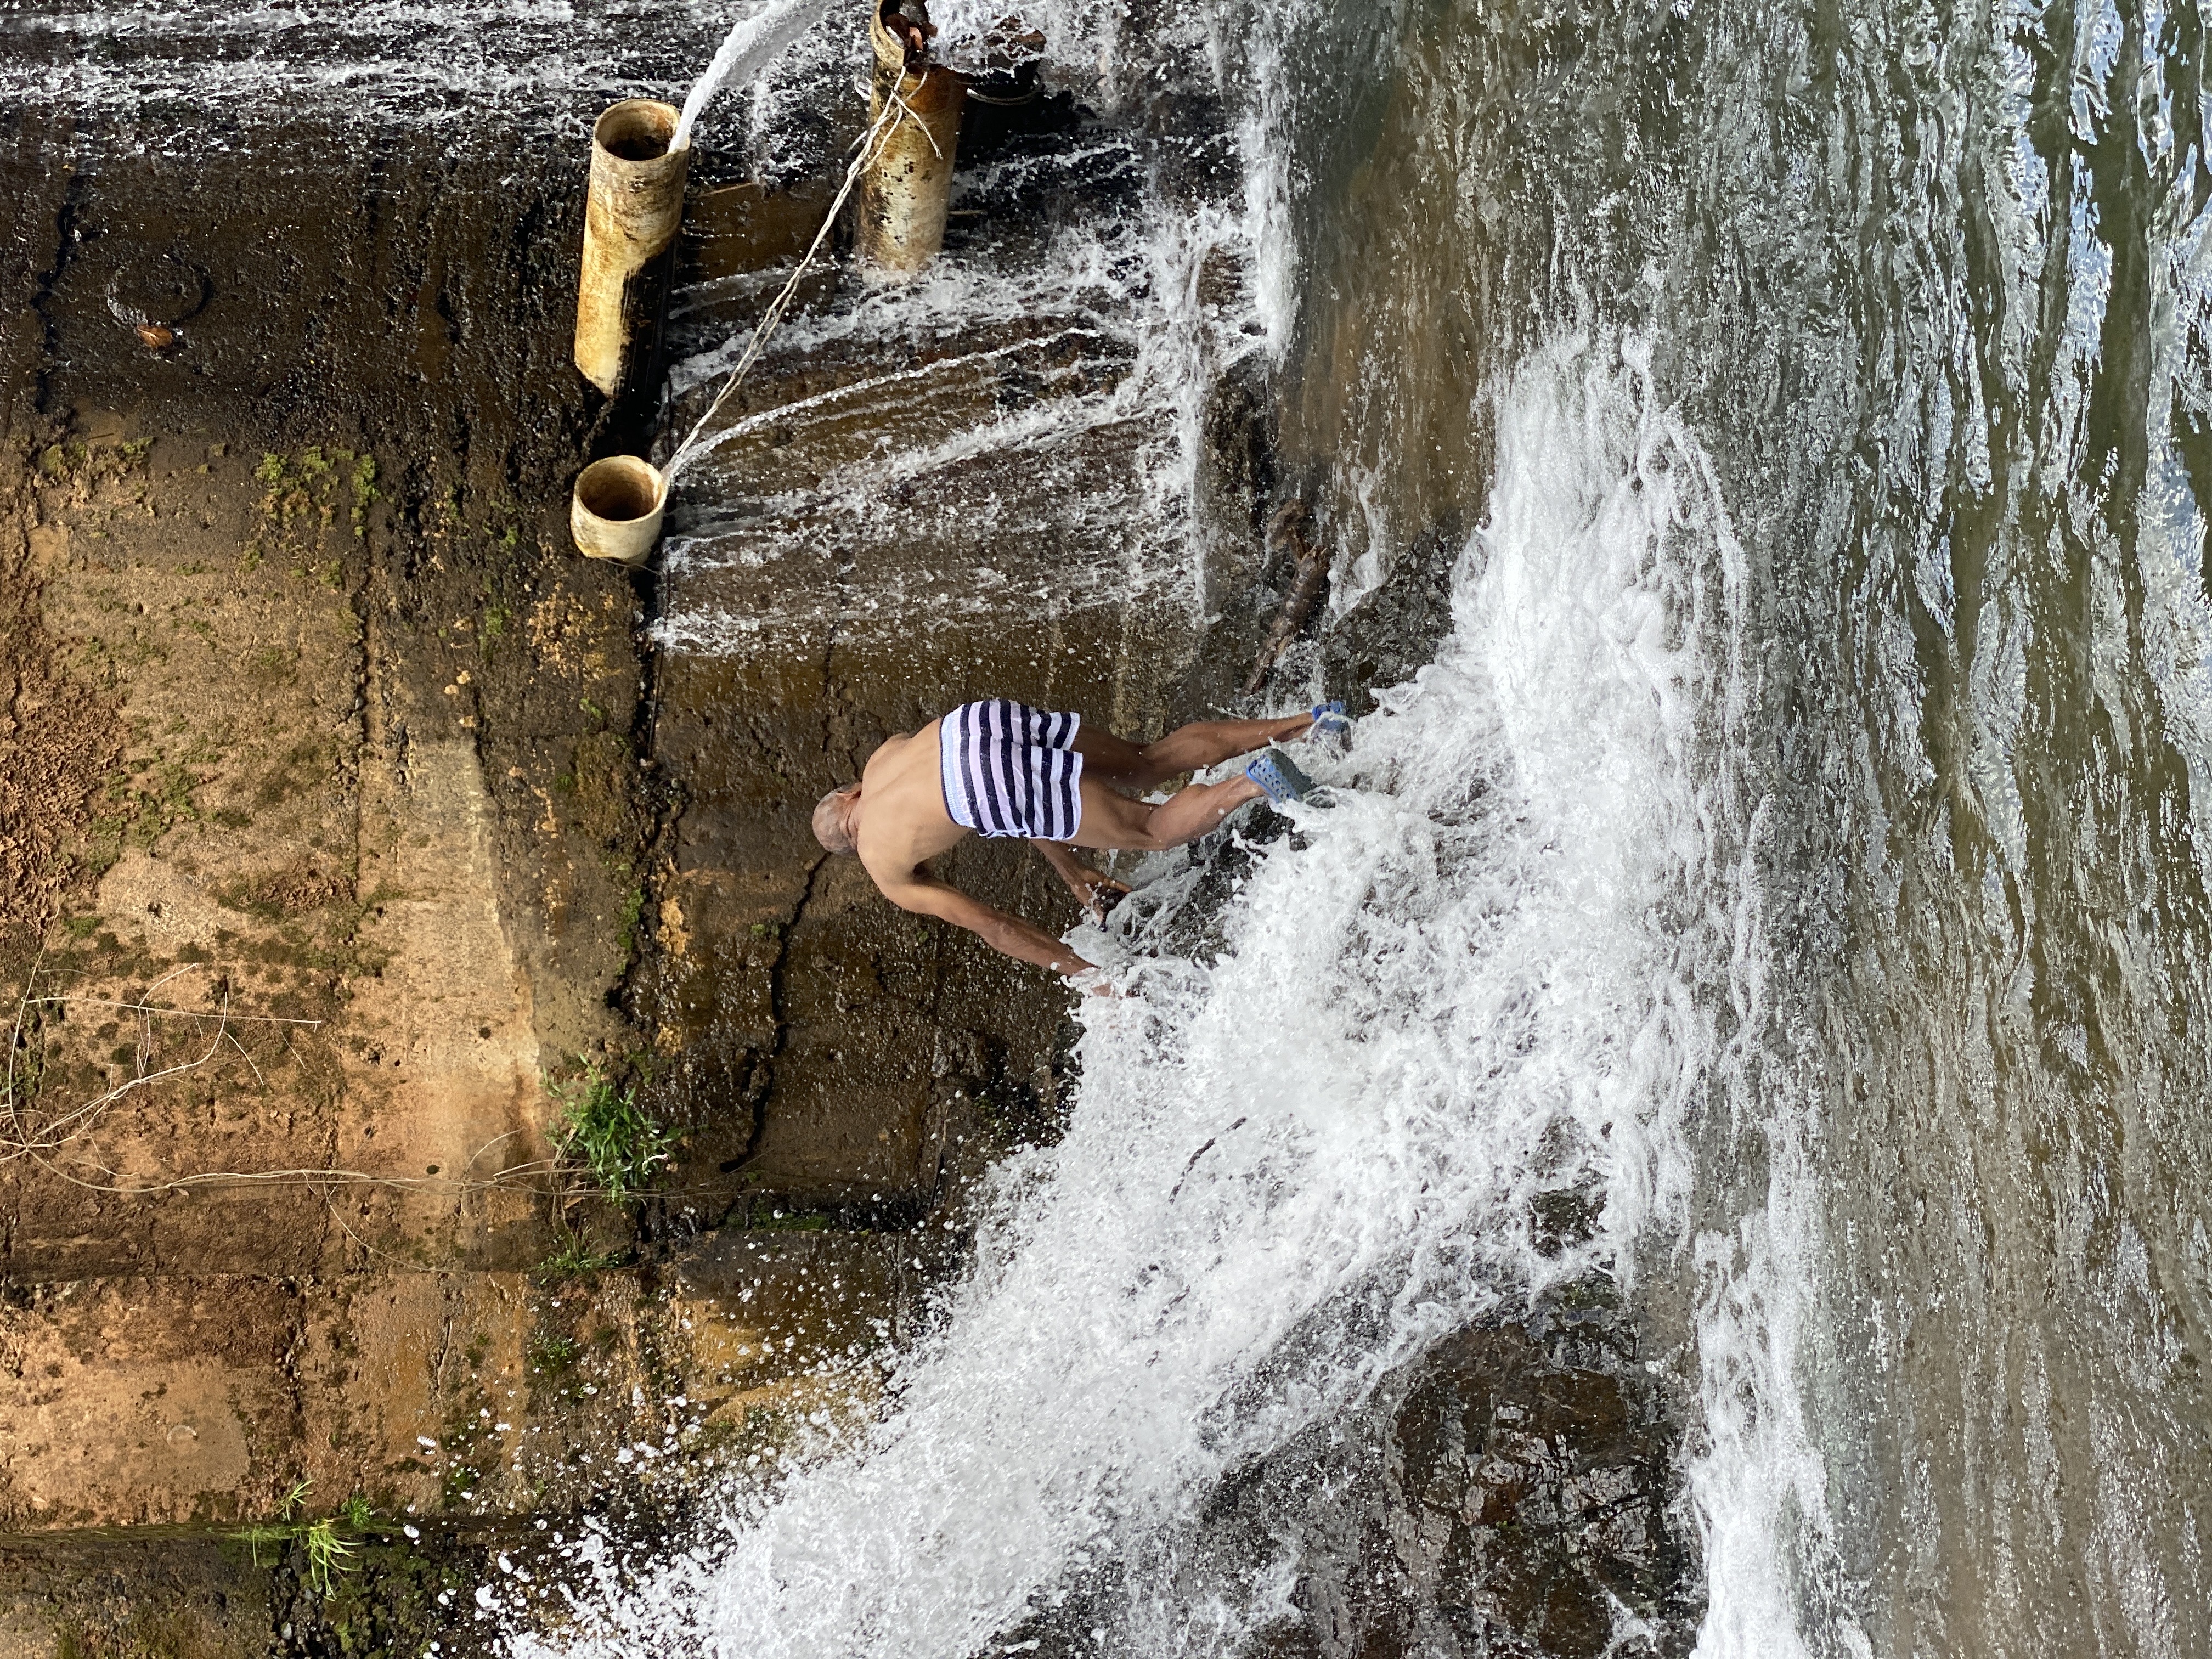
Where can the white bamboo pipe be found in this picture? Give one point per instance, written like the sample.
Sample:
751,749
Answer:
631,215
904,196
616,511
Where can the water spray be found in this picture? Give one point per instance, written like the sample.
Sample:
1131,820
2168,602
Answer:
752,43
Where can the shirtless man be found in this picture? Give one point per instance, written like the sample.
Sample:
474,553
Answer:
1003,769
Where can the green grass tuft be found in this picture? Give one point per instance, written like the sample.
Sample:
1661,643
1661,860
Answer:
575,1259
325,1554
602,1131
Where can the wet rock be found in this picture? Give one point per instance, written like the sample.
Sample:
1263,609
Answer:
1530,1477
1506,1494
204,1595
1394,630
129,1597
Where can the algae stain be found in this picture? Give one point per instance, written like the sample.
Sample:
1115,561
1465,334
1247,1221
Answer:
302,494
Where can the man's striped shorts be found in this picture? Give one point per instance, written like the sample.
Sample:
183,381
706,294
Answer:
1008,770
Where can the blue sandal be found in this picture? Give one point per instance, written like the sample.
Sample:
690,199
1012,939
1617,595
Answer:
1330,723
1281,781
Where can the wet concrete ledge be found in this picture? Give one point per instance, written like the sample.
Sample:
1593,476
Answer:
333,798
312,692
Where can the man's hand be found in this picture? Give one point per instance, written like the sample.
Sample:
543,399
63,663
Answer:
1096,892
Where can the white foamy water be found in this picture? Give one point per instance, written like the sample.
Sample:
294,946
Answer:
214,75
1475,978
1114,304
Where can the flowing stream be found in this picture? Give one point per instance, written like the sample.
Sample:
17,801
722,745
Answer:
1797,839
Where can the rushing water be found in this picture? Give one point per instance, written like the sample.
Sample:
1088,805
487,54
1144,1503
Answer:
1800,836
1269,1198
1800,819
1796,835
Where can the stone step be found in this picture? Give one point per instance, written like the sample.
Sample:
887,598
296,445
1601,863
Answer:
133,1402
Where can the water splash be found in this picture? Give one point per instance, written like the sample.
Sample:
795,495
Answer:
1120,291
1293,1167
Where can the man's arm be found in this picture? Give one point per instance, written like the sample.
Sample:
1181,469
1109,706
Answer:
926,896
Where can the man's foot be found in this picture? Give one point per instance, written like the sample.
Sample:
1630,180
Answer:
1331,727
1277,778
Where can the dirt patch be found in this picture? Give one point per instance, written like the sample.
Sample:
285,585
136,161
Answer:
59,736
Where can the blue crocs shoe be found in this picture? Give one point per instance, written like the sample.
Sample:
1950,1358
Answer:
1331,724
1274,774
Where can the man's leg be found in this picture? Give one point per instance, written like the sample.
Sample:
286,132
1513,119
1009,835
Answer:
1186,748
1114,822
1116,760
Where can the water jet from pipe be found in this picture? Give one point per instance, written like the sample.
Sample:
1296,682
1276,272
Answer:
752,44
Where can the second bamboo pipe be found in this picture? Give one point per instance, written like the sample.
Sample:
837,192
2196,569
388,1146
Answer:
905,194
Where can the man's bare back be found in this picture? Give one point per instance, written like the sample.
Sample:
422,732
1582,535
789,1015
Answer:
1015,771
906,823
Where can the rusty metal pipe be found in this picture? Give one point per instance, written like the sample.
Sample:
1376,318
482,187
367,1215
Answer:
631,215
905,193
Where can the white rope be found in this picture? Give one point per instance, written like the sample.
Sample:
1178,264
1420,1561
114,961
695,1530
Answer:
893,94
872,144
